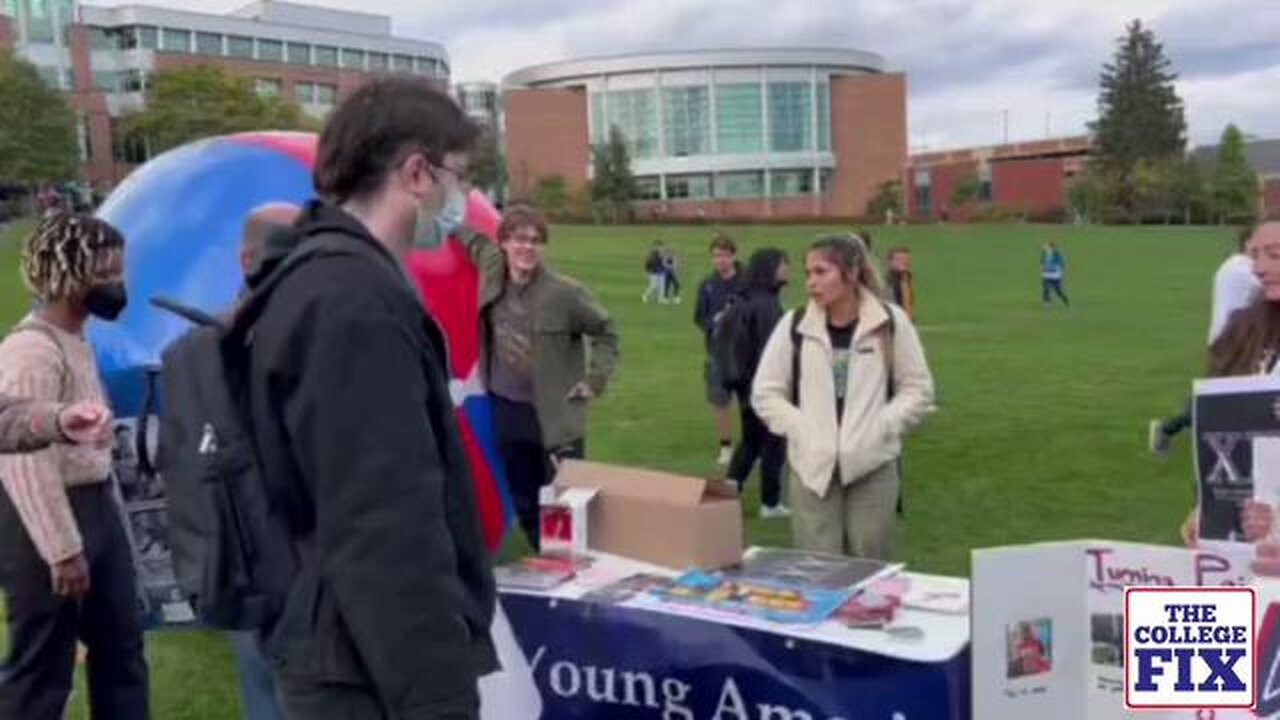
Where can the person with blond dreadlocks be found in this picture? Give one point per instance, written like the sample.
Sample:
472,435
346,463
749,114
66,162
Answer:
65,564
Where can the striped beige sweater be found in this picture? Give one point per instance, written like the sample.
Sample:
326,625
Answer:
32,366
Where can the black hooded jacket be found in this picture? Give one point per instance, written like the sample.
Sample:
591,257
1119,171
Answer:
350,405
762,306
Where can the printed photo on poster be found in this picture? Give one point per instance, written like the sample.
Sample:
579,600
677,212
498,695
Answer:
146,522
1106,636
1029,648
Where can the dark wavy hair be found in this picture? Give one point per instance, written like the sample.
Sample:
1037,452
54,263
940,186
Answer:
376,128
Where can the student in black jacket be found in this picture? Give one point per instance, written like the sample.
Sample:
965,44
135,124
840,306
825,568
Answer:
762,308
716,292
389,614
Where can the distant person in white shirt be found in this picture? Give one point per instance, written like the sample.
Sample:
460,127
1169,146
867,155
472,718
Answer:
1235,286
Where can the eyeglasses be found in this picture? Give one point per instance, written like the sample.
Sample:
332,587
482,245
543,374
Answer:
459,174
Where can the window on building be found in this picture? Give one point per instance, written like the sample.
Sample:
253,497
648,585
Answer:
178,41
648,188
352,59
824,116
129,148
305,92
402,63
9,8
739,120
595,119
825,176
267,87
106,81
148,37
634,113
740,184
326,94
103,39
133,81
378,61
239,46
83,137
40,21
790,117
299,53
270,50
209,44
686,116
984,178
326,56
425,66
924,199
688,187
791,182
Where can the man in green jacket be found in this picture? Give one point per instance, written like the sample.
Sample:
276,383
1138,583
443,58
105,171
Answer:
546,349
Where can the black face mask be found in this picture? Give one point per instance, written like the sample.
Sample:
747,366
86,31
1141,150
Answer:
106,301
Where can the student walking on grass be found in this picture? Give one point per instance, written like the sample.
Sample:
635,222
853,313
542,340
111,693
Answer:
716,293
843,379
1053,267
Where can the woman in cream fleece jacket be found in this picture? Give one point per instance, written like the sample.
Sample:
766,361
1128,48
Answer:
863,382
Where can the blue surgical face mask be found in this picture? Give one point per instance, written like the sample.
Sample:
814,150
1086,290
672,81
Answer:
431,229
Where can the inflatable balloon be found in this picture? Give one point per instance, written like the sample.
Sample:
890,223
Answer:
182,215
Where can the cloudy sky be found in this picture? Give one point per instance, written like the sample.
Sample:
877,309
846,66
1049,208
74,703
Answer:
967,61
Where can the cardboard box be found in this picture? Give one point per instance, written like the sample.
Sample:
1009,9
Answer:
670,520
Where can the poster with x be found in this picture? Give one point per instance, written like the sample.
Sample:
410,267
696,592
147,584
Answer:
1237,451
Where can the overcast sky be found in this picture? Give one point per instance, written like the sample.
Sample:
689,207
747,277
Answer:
967,61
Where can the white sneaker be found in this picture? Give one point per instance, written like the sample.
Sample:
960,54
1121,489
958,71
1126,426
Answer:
1157,441
775,512
725,456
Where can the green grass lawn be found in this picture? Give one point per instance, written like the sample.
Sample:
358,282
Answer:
1041,427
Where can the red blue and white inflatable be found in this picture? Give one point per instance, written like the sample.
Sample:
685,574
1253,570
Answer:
182,215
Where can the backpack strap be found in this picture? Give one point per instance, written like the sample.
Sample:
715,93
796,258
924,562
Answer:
796,344
887,349
37,326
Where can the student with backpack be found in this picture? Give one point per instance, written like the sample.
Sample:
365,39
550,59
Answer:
320,419
843,379
745,327
66,568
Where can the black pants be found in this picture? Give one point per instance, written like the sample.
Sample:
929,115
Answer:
758,443
307,699
1177,423
1048,285
35,680
527,462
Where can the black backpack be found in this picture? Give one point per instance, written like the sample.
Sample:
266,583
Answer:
232,554
731,348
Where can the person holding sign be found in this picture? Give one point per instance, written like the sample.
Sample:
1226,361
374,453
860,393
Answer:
1250,345
843,379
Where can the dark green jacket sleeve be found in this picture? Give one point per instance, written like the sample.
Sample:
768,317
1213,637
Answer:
593,321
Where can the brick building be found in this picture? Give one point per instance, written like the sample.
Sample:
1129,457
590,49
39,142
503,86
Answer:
716,133
1029,177
102,58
